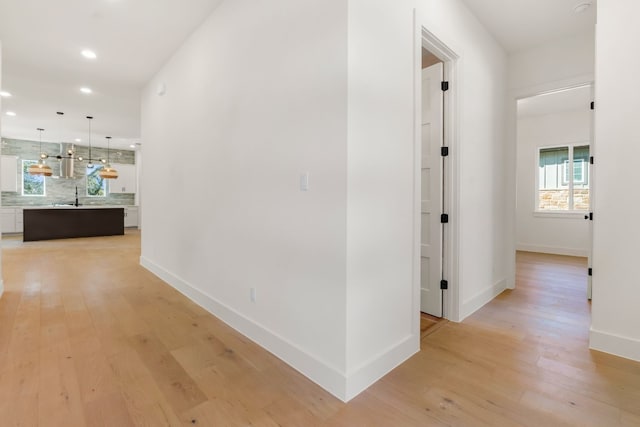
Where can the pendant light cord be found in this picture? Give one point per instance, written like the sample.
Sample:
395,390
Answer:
40,130
90,156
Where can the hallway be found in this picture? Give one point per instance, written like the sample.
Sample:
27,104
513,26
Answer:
88,337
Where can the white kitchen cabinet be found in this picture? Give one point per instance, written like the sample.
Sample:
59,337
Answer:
131,216
126,180
8,220
9,173
19,221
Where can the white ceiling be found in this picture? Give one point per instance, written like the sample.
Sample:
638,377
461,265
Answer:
44,70
577,99
522,24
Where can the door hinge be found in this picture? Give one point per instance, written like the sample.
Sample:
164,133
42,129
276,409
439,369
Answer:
590,272
444,284
591,159
593,105
444,86
444,151
444,219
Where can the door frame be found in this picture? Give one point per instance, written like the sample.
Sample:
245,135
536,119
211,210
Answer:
451,202
512,154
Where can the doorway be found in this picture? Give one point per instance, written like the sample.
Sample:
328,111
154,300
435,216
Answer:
555,174
443,280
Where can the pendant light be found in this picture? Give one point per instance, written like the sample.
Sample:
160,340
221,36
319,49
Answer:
108,172
90,159
66,157
40,168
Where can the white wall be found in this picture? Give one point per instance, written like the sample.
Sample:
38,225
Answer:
568,235
1,279
381,316
382,326
257,95
333,95
616,282
480,115
562,60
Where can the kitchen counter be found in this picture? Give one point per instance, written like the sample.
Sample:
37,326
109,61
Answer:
62,222
72,207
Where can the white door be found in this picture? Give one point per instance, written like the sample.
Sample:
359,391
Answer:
431,206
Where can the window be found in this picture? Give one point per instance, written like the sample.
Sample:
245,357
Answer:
96,185
32,185
563,178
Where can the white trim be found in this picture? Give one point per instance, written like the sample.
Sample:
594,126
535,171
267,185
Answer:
551,87
44,181
618,345
512,153
1,288
381,364
95,168
554,250
475,303
417,165
326,376
570,185
561,214
451,232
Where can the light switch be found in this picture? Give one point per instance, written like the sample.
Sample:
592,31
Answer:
304,181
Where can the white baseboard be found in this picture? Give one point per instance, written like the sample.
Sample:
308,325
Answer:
344,387
477,302
552,250
378,366
626,347
321,373
331,379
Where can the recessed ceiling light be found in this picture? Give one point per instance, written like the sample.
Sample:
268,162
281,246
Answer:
11,113
581,7
89,54
5,94
78,140
132,146
85,90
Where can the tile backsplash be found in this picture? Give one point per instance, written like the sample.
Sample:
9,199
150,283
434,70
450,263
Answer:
62,190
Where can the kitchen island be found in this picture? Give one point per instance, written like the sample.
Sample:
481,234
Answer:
68,222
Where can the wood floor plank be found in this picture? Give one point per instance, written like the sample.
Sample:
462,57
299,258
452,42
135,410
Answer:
108,411
59,396
110,344
145,402
181,391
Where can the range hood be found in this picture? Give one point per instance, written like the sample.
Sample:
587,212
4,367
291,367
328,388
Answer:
66,158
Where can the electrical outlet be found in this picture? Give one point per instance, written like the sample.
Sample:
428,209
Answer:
252,294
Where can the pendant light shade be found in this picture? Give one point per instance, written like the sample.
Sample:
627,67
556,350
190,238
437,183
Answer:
108,172
40,168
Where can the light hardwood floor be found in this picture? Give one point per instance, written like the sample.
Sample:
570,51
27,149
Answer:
88,337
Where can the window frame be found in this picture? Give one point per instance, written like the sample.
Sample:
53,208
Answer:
96,168
570,185
23,172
